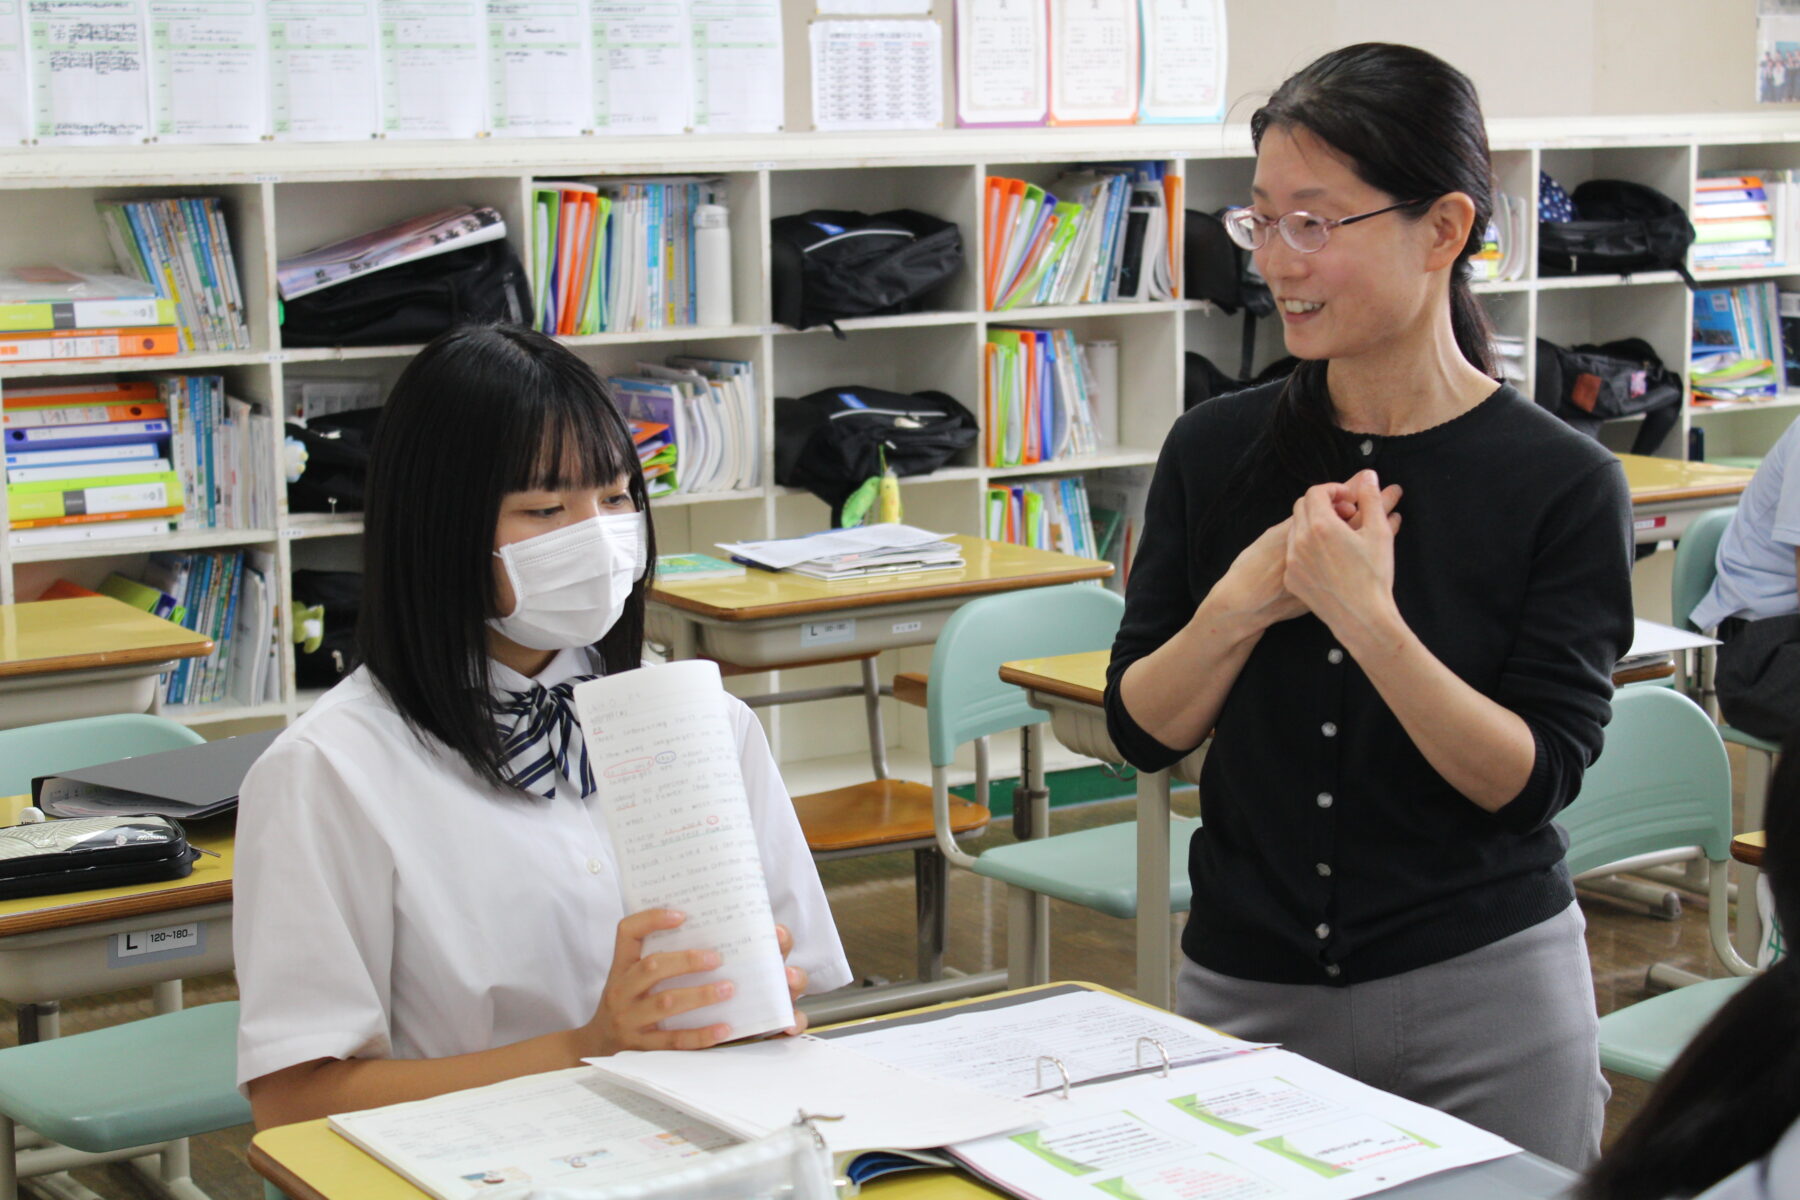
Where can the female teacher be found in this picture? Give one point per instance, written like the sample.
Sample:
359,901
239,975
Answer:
1393,592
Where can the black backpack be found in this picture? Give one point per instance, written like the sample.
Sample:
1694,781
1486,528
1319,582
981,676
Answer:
413,302
832,441
337,461
1620,228
339,593
1217,269
828,264
1587,386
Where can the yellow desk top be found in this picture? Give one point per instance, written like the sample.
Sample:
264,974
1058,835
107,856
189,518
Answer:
990,567
210,883
1749,847
85,632
1659,480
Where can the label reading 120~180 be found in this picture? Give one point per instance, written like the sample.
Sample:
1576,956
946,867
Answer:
150,945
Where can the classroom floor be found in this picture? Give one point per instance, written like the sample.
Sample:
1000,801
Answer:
872,900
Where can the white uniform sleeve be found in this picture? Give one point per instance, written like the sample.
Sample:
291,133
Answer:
794,889
313,926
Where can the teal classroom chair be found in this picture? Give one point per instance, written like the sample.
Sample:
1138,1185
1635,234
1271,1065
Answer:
124,1092
1661,785
967,701
131,1089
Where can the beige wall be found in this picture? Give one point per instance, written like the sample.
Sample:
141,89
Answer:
1528,58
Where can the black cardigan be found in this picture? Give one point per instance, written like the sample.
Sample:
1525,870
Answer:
1331,852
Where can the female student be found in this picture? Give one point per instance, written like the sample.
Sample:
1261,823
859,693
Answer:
426,894
1393,593
1725,1121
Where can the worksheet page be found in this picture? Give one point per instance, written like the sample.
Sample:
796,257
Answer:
664,755
15,87
537,68
433,82
643,66
737,66
1184,60
324,83
88,71
209,70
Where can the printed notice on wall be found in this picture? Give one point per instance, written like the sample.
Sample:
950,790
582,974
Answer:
87,71
874,8
323,84
877,74
1002,50
208,71
1093,61
15,90
537,68
1184,61
643,66
737,66
432,78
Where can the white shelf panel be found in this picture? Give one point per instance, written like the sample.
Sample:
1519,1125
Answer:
681,498
196,539
1492,287
918,320
1115,308
1091,462
670,333
1787,399
345,353
1704,276
214,714
185,364
1563,283
318,525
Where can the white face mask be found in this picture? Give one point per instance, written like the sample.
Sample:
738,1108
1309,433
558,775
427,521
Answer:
571,584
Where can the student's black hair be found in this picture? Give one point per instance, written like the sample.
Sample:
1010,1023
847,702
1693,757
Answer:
1736,1088
1410,125
481,411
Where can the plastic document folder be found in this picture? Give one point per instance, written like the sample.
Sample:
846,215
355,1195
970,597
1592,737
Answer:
188,784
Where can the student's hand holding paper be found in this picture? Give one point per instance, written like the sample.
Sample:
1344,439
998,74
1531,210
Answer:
631,1012
796,980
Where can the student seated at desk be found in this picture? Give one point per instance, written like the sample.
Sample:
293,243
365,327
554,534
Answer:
1724,1123
426,896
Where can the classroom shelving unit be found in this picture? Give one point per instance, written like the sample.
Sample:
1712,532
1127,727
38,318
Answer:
280,199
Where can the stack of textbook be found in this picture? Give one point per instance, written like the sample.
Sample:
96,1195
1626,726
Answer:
697,421
49,312
181,247
1045,514
1111,233
1037,395
858,553
87,461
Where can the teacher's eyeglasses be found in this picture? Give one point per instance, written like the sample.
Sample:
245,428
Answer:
1303,231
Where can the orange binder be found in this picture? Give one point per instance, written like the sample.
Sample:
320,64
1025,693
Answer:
90,343
173,510
69,394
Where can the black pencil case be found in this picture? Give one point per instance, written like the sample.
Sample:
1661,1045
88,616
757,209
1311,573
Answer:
91,852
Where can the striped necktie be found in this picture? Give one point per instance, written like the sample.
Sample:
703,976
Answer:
538,731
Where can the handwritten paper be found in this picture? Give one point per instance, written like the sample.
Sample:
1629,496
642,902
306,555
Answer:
1093,61
663,752
87,71
323,83
208,70
15,87
432,77
737,66
1184,61
877,74
1001,67
643,66
537,68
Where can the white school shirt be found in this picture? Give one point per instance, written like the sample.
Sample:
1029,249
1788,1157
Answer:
1756,555
388,904
1774,1176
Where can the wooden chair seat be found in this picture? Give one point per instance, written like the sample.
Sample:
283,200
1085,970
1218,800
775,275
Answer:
880,812
909,688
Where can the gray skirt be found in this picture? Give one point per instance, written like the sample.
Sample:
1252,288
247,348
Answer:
1505,1037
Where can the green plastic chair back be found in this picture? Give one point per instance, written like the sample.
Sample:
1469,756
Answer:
1661,783
1696,563
967,699
35,750
152,1080
1643,1040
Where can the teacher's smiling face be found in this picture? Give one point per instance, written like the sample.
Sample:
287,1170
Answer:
1372,283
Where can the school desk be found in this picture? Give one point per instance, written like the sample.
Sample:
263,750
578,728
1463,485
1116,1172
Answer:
307,1161
1667,493
1071,688
765,619
82,657
79,943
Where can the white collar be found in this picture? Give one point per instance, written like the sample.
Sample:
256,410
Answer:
566,663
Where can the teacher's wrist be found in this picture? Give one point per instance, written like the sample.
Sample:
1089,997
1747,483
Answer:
1374,633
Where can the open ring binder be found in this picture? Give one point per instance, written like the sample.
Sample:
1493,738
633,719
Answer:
1161,1068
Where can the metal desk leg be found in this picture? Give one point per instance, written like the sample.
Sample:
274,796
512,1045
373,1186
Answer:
1153,943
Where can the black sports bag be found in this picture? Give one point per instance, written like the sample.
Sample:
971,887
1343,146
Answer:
413,302
1620,228
337,461
833,440
829,264
1587,386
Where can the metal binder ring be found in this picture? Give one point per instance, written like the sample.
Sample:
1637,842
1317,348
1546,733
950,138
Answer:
1159,1049
1060,1070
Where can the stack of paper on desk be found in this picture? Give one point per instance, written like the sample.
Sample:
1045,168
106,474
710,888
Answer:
885,549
